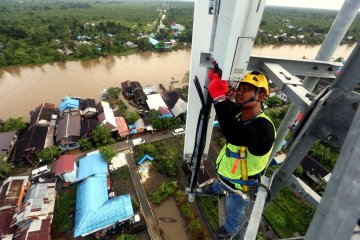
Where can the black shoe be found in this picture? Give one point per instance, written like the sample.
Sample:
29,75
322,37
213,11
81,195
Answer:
221,233
208,190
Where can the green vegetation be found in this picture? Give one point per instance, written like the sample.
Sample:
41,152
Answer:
13,124
85,144
5,168
46,31
210,209
165,153
132,117
274,102
276,114
159,123
126,237
63,222
107,153
300,26
325,154
193,222
101,136
112,93
288,213
49,154
164,192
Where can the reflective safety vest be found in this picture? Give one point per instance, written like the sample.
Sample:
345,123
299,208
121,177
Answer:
228,167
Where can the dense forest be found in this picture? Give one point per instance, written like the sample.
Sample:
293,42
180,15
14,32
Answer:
43,31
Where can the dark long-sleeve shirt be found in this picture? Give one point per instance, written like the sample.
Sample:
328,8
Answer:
257,134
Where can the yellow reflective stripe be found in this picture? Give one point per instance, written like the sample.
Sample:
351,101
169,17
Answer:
243,166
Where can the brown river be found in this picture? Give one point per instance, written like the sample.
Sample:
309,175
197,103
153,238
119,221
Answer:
24,87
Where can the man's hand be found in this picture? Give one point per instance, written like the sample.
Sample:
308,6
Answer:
217,87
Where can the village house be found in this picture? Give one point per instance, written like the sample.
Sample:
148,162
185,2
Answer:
156,102
33,218
68,132
95,210
66,168
122,127
7,142
106,116
140,97
43,114
69,104
87,126
128,88
12,191
35,139
313,169
174,102
88,108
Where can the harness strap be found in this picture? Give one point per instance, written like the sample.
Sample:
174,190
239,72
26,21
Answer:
250,182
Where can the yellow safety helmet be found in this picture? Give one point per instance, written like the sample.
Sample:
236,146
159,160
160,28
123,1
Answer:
258,80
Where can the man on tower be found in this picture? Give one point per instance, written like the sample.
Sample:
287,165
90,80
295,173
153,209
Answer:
250,136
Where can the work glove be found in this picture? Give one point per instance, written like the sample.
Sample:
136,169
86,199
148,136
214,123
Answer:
217,87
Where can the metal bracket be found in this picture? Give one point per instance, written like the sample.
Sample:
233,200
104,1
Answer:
298,67
214,6
289,84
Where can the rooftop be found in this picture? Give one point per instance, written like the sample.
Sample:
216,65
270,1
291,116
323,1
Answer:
94,209
92,164
64,164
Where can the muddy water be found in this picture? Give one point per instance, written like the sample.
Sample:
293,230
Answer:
171,230
23,88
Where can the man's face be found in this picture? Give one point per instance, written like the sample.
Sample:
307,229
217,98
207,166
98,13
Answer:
244,93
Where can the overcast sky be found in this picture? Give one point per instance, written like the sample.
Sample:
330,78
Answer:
321,4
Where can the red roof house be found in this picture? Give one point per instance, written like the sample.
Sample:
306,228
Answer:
66,168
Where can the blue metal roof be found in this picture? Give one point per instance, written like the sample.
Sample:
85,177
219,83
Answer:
69,103
146,156
94,210
92,164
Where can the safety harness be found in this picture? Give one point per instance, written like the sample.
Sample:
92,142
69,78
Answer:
246,182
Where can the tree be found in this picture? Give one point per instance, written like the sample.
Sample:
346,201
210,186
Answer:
107,153
273,102
113,93
49,154
153,114
14,124
101,136
85,144
132,117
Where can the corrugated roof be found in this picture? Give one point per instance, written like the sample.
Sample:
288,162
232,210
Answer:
6,216
6,139
69,103
42,112
64,164
155,101
179,108
92,164
68,126
34,139
122,127
94,210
